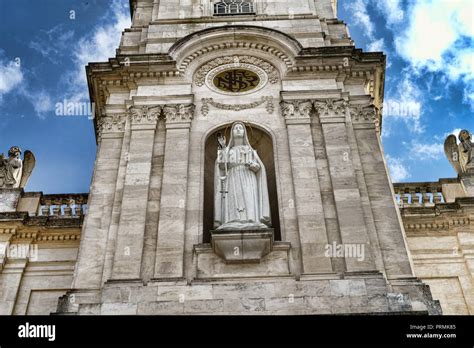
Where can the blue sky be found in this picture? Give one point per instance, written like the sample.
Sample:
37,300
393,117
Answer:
45,44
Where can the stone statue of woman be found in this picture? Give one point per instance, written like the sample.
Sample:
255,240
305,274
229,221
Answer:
240,185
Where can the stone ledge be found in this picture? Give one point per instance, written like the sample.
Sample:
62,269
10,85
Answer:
242,246
277,296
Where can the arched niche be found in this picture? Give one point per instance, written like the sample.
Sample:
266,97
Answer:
261,141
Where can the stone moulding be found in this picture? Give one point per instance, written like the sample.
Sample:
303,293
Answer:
274,42
237,107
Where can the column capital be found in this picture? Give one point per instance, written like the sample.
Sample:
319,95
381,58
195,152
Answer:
296,111
364,116
111,125
145,115
331,110
178,114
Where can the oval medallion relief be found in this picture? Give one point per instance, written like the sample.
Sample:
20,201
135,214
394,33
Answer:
236,79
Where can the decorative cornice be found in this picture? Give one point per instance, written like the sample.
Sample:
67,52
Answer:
200,76
7,230
237,107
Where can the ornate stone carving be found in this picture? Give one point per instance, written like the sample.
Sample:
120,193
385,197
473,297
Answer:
15,172
363,113
200,76
296,109
111,124
460,155
331,107
179,112
145,114
237,107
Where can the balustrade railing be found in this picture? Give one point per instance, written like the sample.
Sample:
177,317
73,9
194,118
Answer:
418,194
63,205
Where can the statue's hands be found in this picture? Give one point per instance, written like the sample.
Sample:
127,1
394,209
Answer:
253,166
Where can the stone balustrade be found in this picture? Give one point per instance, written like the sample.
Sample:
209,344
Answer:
63,205
420,194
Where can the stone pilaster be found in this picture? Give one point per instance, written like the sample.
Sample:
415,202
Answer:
90,263
388,223
350,215
171,227
131,230
309,207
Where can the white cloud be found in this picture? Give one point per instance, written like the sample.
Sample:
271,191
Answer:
98,46
358,9
54,43
40,100
422,151
11,77
392,10
405,105
376,46
398,171
437,39
13,80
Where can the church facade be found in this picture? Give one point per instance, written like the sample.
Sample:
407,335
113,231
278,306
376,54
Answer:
310,224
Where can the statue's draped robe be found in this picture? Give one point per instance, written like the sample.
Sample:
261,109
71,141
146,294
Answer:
246,204
466,154
10,172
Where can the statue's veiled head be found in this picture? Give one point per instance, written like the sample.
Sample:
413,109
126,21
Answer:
14,151
238,135
238,130
464,135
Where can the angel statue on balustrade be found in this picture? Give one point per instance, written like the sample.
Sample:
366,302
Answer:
15,172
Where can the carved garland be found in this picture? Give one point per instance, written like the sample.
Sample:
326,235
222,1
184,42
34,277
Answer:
200,76
237,107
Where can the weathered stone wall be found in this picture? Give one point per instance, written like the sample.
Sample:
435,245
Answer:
142,249
158,25
438,222
38,251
